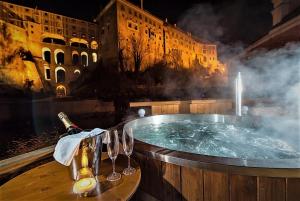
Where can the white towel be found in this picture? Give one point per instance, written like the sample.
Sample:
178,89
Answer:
68,146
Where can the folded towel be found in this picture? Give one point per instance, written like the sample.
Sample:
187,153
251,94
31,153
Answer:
68,146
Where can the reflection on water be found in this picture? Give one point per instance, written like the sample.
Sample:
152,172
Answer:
217,139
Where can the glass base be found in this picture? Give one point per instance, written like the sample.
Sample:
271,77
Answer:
129,171
114,176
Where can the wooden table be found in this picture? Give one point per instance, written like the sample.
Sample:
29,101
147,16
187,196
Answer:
51,181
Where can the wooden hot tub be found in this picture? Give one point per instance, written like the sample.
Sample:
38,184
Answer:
175,175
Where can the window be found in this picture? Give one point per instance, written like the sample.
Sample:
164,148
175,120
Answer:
46,54
94,55
129,25
73,27
61,91
57,17
59,56
45,14
75,44
47,73
75,58
77,71
60,75
94,45
84,59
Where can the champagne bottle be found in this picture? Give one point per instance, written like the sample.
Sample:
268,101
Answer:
70,126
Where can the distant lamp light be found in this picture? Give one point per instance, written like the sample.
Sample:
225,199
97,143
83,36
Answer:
141,112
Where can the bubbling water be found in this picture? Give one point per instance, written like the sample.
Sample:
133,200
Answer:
217,139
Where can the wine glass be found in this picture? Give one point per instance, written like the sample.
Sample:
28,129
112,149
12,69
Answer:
128,141
113,151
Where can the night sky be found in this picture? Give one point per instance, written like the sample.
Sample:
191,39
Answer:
227,21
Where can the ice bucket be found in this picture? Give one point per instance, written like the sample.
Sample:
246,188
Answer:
92,155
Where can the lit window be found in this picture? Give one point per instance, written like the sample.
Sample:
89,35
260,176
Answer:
77,71
47,73
60,75
59,56
94,55
94,45
75,58
46,54
84,59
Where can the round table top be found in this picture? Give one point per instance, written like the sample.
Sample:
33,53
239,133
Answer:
51,181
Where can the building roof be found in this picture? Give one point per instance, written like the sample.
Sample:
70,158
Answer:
287,31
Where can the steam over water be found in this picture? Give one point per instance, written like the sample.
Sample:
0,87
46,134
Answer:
218,139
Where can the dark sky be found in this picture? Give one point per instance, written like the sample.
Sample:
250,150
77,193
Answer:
239,20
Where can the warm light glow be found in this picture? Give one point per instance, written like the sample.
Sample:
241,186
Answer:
94,55
84,158
84,185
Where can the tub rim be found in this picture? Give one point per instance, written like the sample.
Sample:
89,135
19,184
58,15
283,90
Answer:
251,167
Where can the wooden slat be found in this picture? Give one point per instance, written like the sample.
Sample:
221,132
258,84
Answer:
215,186
156,110
243,188
13,164
154,178
193,108
171,182
192,184
293,190
271,189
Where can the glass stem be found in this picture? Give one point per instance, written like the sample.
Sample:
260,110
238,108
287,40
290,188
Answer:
113,162
128,162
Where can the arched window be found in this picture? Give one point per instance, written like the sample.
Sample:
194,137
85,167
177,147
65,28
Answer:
60,75
59,56
75,58
77,71
94,45
46,54
94,55
84,59
61,91
47,73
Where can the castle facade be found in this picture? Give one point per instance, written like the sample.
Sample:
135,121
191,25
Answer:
122,35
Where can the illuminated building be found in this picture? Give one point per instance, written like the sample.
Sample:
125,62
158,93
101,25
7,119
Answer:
61,46
126,29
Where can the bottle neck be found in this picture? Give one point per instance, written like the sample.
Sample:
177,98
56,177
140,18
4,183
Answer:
66,121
